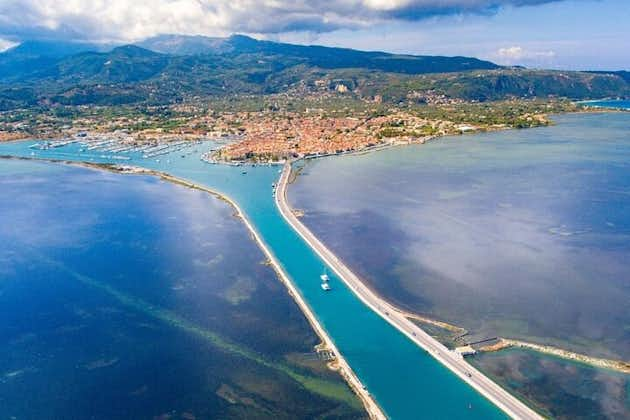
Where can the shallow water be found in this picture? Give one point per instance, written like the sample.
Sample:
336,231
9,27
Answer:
403,378
129,297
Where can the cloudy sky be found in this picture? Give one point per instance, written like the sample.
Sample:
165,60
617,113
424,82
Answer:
577,34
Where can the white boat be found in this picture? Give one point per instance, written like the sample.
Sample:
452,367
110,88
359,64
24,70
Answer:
325,287
324,277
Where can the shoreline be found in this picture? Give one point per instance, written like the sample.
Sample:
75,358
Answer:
503,343
505,401
372,408
395,142
390,143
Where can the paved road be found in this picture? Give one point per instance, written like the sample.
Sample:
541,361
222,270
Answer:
500,397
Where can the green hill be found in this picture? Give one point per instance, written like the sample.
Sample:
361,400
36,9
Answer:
168,69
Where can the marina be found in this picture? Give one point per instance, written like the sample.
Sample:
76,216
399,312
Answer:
121,146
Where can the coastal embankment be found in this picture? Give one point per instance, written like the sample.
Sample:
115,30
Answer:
493,392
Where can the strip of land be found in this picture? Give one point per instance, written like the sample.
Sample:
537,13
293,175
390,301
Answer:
504,343
439,324
500,397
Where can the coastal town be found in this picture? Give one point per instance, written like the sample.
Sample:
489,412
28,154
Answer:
275,133
359,210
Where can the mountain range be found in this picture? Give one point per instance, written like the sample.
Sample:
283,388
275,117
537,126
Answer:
172,67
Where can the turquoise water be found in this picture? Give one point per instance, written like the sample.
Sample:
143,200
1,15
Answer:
406,381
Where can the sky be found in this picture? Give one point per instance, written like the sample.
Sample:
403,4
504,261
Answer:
566,34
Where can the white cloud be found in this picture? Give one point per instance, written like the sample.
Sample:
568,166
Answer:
128,20
519,55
